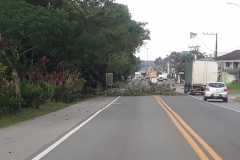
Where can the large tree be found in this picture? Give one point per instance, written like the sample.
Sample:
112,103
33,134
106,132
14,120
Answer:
27,30
105,28
83,33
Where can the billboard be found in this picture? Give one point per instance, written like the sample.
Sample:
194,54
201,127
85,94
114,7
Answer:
185,52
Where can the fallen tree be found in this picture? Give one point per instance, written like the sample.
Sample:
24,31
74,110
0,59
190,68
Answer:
138,89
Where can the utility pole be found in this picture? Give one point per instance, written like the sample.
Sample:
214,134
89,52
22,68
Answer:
147,59
216,49
196,49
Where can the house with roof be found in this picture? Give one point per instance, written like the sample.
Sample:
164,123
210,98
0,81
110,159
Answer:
228,65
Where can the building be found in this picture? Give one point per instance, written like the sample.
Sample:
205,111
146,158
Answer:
228,65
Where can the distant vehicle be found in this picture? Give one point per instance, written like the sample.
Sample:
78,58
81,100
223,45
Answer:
152,73
216,90
153,79
137,76
198,73
162,76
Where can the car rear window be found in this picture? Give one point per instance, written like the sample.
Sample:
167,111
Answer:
216,85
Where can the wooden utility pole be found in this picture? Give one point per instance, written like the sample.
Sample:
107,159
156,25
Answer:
216,48
147,59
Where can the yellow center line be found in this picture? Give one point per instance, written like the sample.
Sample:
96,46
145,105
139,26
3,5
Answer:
194,134
192,143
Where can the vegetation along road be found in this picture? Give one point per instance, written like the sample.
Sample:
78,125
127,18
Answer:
55,104
129,127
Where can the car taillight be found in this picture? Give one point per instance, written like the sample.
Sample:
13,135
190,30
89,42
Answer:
206,89
225,90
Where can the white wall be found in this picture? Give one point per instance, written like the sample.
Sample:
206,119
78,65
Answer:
231,78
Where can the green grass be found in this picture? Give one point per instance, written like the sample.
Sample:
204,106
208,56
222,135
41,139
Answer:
234,88
26,114
234,91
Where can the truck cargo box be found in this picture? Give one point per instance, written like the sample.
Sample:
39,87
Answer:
198,73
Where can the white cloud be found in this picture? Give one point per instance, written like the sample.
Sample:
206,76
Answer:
171,21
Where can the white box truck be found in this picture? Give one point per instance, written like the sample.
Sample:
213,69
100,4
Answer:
198,73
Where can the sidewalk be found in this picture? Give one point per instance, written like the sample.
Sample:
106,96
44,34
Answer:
21,141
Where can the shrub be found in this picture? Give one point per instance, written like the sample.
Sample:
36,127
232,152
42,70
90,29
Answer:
31,94
47,90
70,98
237,76
233,85
75,86
8,104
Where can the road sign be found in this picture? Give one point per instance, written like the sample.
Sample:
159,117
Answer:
185,52
109,79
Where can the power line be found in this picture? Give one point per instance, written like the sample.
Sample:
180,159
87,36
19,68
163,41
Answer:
204,44
232,48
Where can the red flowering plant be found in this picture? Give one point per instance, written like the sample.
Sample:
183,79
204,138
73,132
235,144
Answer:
57,77
61,80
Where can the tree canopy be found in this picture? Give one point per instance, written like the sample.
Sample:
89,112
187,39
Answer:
89,36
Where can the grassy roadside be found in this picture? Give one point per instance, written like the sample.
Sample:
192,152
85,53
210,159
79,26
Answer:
234,91
30,113
26,114
236,99
234,88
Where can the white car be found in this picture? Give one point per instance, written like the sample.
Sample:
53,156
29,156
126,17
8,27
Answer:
153,80
216,90
160,78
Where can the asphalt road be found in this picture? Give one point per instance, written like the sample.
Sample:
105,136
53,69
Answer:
151,128
217,124
233,105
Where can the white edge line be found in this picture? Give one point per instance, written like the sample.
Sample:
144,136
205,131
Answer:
216,104
46,151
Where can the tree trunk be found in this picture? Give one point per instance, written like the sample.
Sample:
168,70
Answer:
17,84
15,77
100,85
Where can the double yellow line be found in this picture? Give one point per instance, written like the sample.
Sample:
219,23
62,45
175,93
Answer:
183,127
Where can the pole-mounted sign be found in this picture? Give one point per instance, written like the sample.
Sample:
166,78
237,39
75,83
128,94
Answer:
109,79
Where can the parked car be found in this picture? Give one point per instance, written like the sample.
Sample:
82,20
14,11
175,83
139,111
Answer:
216,90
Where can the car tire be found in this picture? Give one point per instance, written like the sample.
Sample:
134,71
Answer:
205,98
225,100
